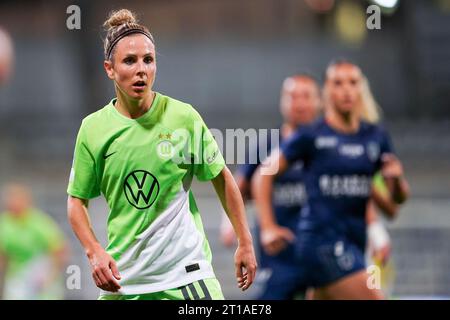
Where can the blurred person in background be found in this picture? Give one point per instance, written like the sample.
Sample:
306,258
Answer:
157,247
341,153
378,248
33,250
299,105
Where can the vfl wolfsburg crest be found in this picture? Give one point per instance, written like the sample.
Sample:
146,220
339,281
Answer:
165,149
141,189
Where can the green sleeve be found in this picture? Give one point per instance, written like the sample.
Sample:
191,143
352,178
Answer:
83,179
379,184
208,160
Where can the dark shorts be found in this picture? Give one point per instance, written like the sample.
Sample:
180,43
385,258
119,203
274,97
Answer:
324,262
279,282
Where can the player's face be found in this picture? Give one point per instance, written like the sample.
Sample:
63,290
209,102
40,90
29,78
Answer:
17,202
344,87
301,101
134,66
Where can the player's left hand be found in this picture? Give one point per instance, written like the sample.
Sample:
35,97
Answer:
245,263
275,238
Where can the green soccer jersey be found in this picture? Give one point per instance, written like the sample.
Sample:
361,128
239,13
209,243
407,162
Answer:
144,168
27,238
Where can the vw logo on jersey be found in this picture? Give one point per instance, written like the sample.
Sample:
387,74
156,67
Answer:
373,151
141,189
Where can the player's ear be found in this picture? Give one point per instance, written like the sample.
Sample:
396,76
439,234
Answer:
107,64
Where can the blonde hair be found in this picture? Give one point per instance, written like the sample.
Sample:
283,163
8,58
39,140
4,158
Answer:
370,110
120,24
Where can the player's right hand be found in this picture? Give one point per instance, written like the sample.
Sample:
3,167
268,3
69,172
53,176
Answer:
104,270
275,238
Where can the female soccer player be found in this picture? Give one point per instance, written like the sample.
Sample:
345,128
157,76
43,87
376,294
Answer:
340,153
141,151
33,249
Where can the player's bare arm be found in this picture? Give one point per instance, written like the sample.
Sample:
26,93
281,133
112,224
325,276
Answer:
273,237
103,266
230,197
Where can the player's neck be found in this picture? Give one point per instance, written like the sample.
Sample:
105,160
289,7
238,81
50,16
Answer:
287,129
19,215
343,122
133,108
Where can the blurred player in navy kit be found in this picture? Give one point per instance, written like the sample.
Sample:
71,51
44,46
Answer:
340,154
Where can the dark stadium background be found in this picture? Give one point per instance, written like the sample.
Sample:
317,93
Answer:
228,58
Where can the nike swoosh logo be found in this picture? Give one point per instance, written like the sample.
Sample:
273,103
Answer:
106,156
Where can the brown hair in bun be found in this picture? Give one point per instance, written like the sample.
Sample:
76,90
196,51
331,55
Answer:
119,24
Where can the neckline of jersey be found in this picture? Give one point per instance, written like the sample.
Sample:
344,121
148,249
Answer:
22,218
145,117
343,134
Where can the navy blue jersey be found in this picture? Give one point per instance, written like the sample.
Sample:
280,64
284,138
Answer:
338,177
